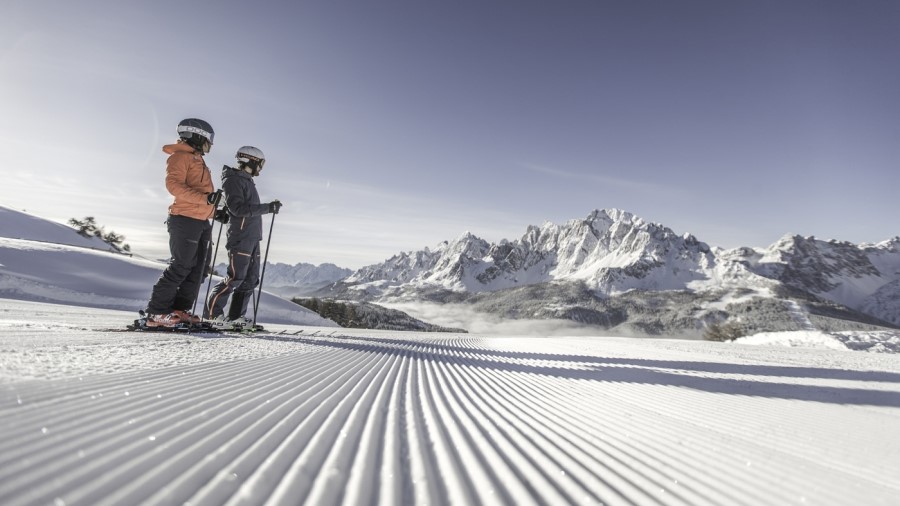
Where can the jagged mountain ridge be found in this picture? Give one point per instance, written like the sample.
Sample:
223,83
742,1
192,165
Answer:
612,252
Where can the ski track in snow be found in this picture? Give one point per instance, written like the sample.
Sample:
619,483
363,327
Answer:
326,416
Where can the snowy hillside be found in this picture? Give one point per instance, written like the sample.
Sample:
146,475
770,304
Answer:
329,416
612,256
22,225
49,262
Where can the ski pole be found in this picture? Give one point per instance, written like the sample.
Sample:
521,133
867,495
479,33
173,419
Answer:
200,282
212,264
205,265
263,275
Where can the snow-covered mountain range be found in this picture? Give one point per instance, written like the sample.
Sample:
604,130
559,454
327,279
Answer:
298,280
612,256
613,251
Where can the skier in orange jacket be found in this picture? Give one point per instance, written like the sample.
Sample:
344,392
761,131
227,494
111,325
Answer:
188,180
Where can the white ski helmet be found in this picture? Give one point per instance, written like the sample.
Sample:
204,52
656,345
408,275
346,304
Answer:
250,160
197,133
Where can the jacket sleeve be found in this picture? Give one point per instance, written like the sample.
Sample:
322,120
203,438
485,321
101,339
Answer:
238,201
176,180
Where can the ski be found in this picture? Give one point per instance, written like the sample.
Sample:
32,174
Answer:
140,325
240,329
206,326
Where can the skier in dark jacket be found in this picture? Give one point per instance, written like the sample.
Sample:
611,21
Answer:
243,214
190,183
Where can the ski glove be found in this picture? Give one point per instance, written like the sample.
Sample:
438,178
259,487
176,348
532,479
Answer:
274,207
222,216
214,197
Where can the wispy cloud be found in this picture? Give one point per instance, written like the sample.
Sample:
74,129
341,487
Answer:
600,179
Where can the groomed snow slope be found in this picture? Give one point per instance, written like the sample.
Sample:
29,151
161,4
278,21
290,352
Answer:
330,416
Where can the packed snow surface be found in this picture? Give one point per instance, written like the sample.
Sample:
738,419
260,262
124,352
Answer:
307,415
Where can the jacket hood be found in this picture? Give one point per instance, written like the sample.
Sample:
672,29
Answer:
171,149
232,172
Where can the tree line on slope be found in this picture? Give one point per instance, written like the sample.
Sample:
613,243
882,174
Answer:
364,315
88,228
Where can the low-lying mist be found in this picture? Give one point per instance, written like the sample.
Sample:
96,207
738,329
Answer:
463,316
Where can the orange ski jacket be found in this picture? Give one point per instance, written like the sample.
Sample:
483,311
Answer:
188,179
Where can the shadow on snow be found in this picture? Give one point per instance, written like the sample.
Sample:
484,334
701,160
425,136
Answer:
630,370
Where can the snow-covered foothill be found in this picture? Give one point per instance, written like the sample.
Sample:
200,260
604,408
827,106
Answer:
871,341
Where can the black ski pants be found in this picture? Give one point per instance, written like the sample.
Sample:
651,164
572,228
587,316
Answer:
241,278
179,285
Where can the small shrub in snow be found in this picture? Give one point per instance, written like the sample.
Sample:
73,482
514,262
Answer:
726,331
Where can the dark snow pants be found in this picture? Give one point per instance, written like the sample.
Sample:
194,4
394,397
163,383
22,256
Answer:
179,285
241,279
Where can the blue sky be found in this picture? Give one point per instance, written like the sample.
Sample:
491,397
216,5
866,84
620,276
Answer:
393,125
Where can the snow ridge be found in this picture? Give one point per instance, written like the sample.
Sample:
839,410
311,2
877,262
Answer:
22,225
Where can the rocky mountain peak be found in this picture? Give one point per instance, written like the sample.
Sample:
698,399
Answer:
611,252
609,246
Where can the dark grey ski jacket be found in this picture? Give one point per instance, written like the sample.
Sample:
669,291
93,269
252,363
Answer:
242,201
